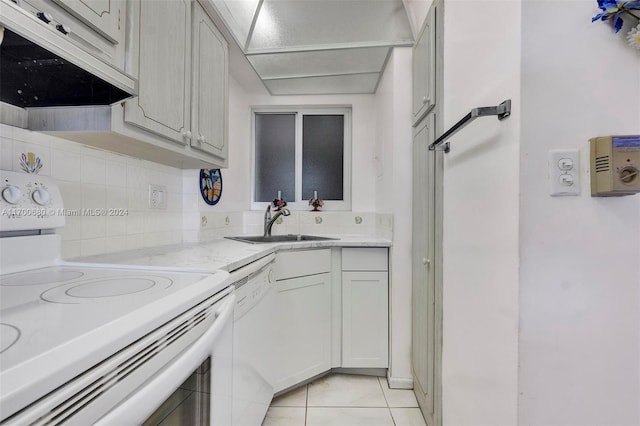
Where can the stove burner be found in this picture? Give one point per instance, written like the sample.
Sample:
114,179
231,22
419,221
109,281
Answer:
8,336
39,277
110,287
105,289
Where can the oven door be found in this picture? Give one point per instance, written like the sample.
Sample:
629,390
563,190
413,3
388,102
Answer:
194,389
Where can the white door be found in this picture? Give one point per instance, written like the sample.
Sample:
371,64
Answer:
426,296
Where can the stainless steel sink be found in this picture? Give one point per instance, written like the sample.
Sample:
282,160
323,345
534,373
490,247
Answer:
256,239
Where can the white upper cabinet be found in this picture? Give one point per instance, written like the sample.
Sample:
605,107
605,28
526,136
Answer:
424,68
96,26
160,58
182,64
210,62
104,16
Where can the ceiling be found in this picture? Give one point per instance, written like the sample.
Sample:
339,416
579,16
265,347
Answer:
317,46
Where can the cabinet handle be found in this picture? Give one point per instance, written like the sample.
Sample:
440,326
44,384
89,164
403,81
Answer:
44,17
63,29
201,139
425,100
426,261
186,134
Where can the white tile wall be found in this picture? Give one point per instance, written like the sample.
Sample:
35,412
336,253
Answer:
91,179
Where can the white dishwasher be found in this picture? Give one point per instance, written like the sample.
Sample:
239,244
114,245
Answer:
253,341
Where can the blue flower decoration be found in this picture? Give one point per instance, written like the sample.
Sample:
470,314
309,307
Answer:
612,9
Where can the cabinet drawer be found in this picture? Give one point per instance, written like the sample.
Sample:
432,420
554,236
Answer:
365,259
300,263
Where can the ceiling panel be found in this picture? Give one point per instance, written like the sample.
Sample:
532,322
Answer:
354,83
286,24
317,46
238,15
320,63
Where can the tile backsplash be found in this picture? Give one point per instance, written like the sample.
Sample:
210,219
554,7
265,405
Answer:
90,178
321,223
94,179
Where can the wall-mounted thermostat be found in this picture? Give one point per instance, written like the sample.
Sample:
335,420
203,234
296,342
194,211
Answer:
615,165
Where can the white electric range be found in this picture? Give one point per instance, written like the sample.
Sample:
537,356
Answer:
91,343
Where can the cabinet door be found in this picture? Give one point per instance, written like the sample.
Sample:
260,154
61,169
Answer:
161,61
210,86
303,332
104,16
424,68
81,32
365,320
424,356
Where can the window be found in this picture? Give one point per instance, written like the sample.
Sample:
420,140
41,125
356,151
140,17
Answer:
300,152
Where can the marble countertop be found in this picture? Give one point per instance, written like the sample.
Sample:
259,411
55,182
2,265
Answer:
223,254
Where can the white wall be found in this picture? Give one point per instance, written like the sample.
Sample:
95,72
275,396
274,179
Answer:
393,184
579,277
481,188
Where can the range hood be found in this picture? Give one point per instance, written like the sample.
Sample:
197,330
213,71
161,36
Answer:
39,67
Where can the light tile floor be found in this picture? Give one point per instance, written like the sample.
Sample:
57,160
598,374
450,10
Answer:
345,400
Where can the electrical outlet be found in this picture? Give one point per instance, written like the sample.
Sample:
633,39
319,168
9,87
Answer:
564,172
157,196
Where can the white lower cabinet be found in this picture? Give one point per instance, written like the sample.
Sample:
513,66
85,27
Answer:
365,308
303,316
365,329
306,326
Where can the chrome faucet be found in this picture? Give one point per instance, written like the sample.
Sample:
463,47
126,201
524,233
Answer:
268,220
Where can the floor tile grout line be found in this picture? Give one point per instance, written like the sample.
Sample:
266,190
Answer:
383,394
353,406
393,419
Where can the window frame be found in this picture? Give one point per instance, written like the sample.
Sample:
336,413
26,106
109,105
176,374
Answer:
299,204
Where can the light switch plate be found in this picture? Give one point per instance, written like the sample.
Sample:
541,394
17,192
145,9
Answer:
157,196
564,172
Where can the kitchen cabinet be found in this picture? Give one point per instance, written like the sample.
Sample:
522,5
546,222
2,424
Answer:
181,61
426,300
303,316
209,120
365,308
104,16
160,57
96,26
180,115
424,68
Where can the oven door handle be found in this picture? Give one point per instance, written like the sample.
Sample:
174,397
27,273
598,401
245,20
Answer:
142,403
